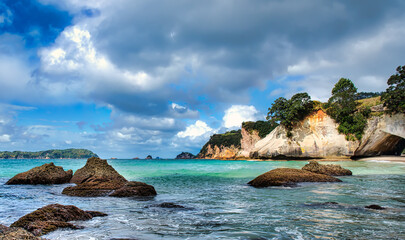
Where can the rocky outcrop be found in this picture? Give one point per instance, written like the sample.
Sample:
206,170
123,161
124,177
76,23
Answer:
222,152
133,188
383,135
149,157
45,174
328,169
289,177
52,217
314,137
97,178
96,168
185,155
14,233
248,142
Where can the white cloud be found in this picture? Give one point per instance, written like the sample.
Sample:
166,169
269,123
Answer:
5,138
199,128
236,114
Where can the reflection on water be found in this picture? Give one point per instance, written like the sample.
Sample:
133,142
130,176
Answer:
219,204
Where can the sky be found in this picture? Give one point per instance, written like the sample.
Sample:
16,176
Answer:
129,78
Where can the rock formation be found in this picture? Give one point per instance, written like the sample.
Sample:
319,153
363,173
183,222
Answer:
96,168
289,177
98,178
185,155
45,174
328,169
314,137
52,217
14,233
149,157
383,135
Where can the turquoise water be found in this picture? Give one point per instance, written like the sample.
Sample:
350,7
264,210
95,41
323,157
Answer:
220,205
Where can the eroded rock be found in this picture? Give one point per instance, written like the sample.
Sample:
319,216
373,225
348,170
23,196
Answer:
289,177
14,233
131,189
45,174
98,169
328,169
52,217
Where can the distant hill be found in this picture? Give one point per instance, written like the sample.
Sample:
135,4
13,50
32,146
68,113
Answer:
49,154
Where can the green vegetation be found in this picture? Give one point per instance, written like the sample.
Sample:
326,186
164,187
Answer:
289,112
227,139
342,106
394,96
52,154
262,127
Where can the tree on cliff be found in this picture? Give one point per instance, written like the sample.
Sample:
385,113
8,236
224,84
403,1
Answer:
394,96
342,107
288,112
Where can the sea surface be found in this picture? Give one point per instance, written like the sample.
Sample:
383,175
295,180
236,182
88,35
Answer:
220,205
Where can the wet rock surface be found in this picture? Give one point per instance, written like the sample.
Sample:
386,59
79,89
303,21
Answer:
289,177
52,217
167,205
14,233
375,207
328,169
131,189
45,174
98,178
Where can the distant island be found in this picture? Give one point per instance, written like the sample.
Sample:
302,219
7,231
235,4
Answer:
49,154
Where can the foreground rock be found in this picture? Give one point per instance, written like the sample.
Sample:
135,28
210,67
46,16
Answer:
96,168
328,169
52,217
131,189
289,177
97,178
45,174
13,233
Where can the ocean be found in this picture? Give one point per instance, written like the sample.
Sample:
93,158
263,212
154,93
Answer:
218,203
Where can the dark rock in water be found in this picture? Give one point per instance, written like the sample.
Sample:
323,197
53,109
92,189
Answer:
98,178
289,177
328,169
96,168
52,217
45,174
149,157
167,205
185,155
375,207
131,189
14,233
94,187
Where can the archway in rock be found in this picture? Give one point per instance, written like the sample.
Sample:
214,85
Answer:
381,144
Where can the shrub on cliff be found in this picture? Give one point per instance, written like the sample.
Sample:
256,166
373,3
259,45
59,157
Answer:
262,127
228,139
288,112
342,106
394,96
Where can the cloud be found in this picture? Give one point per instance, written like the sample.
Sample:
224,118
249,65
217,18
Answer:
195,130
236,114
6,16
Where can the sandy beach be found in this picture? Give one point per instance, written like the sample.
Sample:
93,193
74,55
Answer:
384,159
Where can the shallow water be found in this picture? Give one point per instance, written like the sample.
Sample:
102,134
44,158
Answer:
220,205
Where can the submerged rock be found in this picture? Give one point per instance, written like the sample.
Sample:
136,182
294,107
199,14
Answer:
45,174
14,233
289,177
375,207
52,217
328,169
167,205
96,168
98,178
133,188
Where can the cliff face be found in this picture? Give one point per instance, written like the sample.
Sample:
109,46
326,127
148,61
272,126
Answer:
314,137
383,135
317,137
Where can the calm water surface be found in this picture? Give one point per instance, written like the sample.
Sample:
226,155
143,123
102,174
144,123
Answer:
220,205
